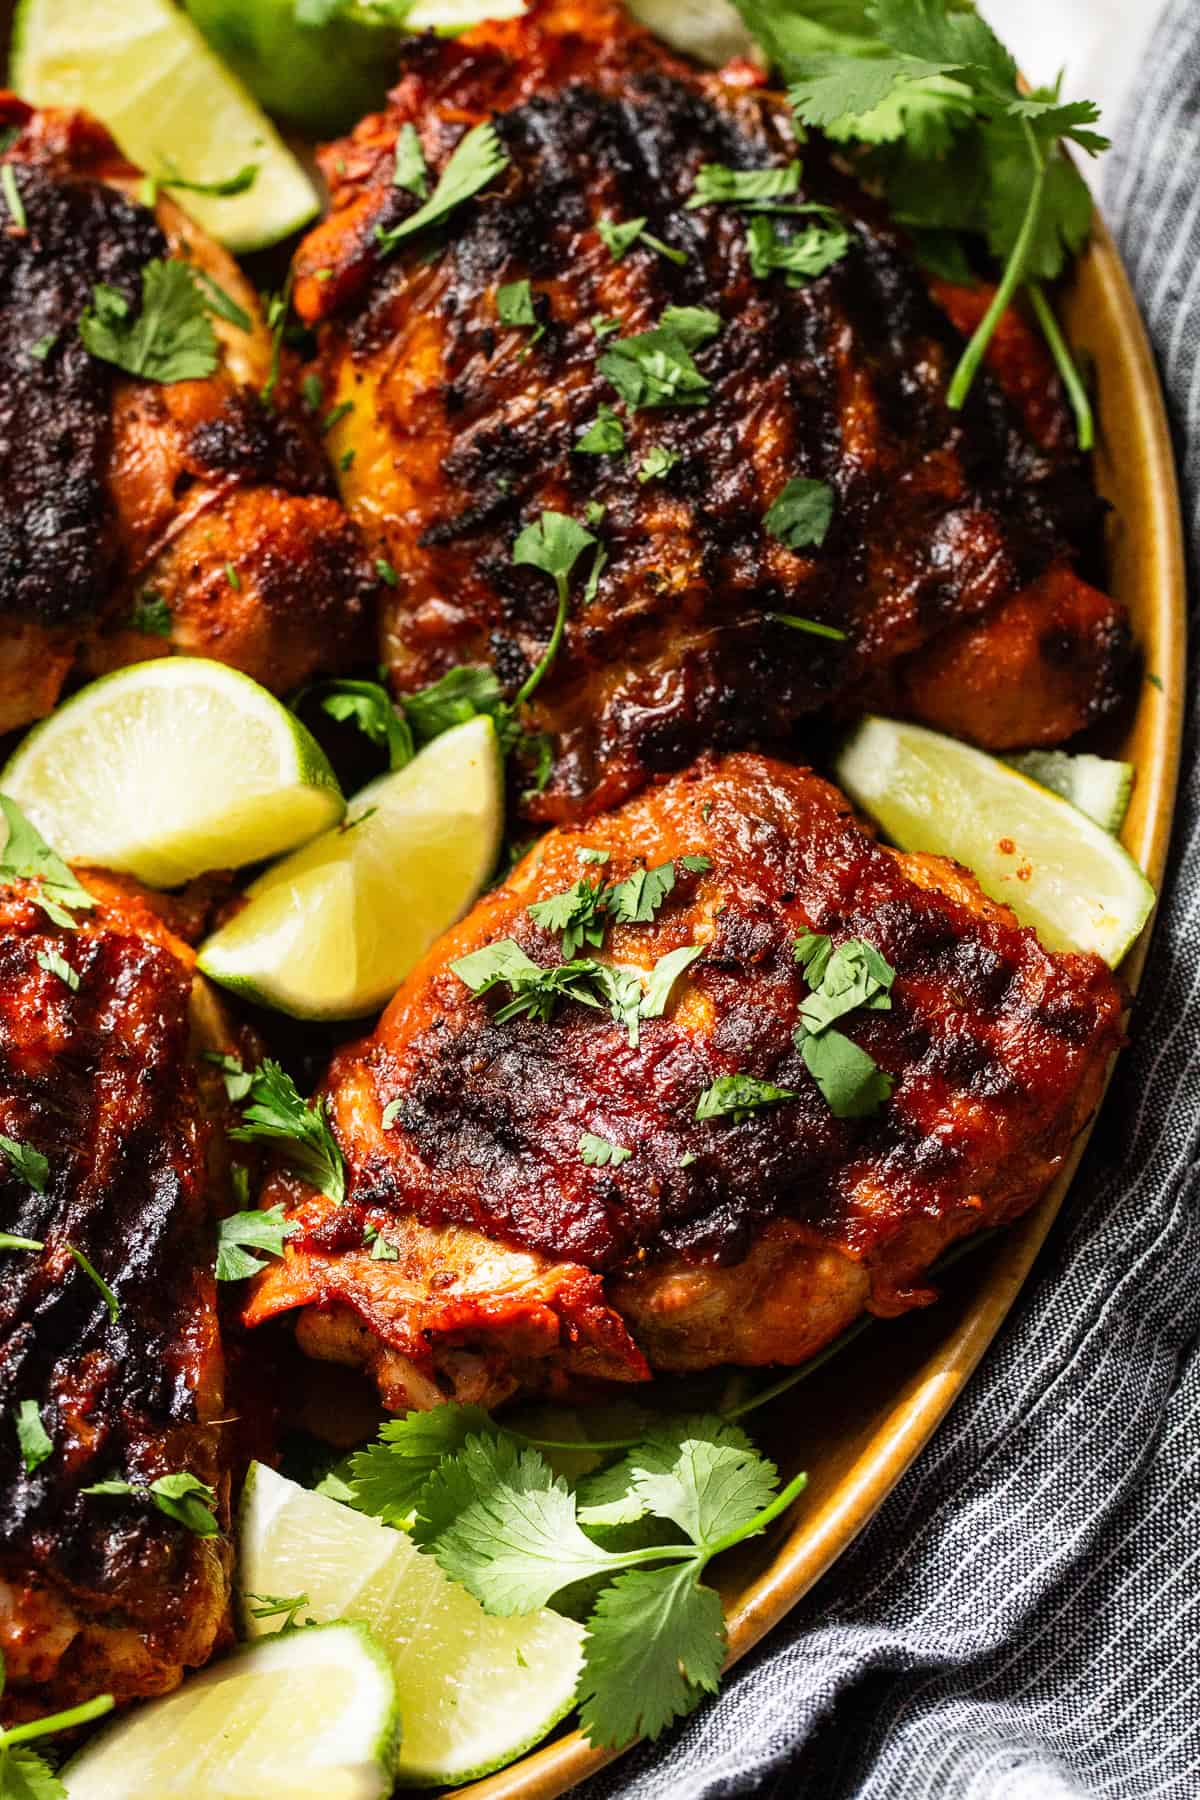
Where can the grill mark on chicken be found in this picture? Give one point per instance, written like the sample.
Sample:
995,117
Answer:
464,430
101,1081
717,1240
56,526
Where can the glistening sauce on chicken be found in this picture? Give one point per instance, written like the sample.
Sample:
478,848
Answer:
99,1593
717,1239
464,428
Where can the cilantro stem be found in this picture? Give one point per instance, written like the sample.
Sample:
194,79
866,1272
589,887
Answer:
761,1520
548,655
1064,362
1014,271
805,1369
60,1721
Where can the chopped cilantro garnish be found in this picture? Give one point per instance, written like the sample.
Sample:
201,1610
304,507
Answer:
221,303
335,415
737,1096
587,855
718,185
243,1232
54,964
801,514
276,1606
32,1435
599,1153
655,368
29,1163
476,159
274,1113
41,350
578,913
178,1496
26,856
604,327
800,256
391,1113
553,544
411,172
233,578
278,307
382,1249
89,1269
604,437
12,196
664,975
385,571
657,462
812,626
514,303
618,238
170,338
151,615
853,976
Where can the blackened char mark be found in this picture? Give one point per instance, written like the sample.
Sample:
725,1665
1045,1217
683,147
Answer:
56,541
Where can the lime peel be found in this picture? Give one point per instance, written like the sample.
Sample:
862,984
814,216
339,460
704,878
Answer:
1057,869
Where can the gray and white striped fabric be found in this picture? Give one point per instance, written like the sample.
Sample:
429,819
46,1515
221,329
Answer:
1022,1620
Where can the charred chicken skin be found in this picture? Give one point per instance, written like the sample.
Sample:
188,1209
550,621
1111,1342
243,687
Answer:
103,1593
120,496
749,1236
464,428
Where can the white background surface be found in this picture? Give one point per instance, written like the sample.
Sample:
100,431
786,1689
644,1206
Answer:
1098,42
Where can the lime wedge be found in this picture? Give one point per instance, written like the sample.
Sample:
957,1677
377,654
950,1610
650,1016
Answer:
1095,785
331,932
311,1712
474,1691
171,767
142,67
1058,870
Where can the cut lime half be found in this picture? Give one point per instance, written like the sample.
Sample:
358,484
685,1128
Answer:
1057,868
331,932
474,1691
144,69
172,767
311,1712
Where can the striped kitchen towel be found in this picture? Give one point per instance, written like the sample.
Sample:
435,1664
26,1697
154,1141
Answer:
1023,1617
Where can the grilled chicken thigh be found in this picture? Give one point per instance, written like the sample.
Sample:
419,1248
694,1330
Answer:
463,428
99,1075
137,516
513,1254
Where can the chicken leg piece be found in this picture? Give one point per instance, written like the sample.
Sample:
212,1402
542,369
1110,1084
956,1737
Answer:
516,1256
110,1154
138,517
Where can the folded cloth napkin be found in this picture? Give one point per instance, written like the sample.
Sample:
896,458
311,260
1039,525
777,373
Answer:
1023,1617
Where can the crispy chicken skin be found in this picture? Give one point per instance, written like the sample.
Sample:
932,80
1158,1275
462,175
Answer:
716,1241
113,488
464,429
107,1594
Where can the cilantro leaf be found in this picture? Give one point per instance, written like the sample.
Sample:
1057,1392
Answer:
29,1163
179,1495
800,255
274,1113
604,437
514,303
812,951
600,1153
854,975
369,706
801,514
238,1081
24,1775
516,1542
657,462
826,89
704,1475
242,1232
151,615
654,1646
578,913
622,992
410,172
35,1441
664,975
504,960
618,238
553,543
737,1096
170,338
852,1082
717,184
692,325
635,900
388,1478
26,856
476,159
654,369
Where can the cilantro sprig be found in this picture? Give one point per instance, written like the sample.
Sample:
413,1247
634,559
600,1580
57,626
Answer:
168,338
490,1510
929,98
26,856
475,160
244,1232
274,1113
178,1495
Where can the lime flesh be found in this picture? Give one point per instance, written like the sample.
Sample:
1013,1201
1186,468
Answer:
474,1691
170,768
144,69
311,1712
331,932
1056,867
